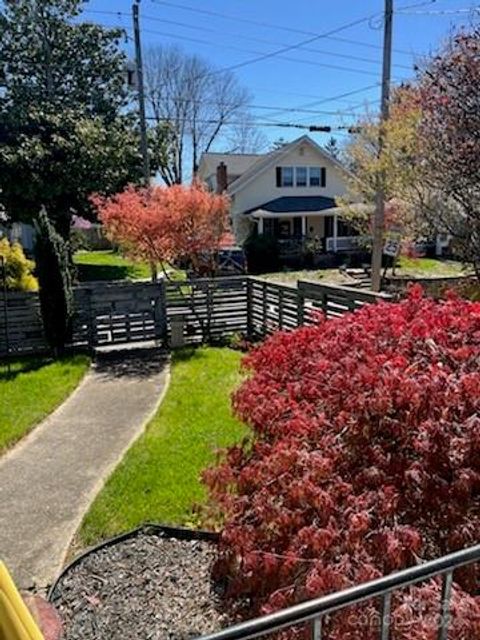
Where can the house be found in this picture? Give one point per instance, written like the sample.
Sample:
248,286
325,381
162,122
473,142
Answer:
288,194
19,232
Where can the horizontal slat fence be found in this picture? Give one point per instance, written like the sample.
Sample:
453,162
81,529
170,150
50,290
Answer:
209,309
24,323
271,307
118,313
332,300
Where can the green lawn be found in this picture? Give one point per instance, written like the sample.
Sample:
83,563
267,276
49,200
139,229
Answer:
93,266
159,478
35,387
429,267
108,265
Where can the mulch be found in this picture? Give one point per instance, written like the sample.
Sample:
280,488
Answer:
148,587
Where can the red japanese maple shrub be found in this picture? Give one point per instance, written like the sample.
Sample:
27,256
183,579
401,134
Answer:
364,459
162,225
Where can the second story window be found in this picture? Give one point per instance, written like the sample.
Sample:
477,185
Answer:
287,176
301,176
318,176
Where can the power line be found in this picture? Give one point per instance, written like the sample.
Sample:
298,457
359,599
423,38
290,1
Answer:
338,97
298,45
187,25
284,125
270,25
293,109
297,94
440,12
260,57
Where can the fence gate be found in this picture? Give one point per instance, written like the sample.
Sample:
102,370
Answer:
110,313
210,309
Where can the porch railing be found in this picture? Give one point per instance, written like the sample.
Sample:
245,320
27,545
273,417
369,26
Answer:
344,243
314,611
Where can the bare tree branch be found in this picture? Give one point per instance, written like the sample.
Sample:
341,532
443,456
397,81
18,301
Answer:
195,101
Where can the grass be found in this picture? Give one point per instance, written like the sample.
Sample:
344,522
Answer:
94,266
159,478
429,267
34,388
414,267
108,265
290,277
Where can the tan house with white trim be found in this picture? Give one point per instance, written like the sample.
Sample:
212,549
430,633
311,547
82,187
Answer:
288,193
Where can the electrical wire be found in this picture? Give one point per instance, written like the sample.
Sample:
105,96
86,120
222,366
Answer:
293,109
440,12
285,125
187,25
259,58
269,25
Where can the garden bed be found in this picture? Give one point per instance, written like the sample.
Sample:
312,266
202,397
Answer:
147,586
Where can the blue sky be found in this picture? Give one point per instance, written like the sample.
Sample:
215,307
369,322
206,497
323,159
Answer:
313,76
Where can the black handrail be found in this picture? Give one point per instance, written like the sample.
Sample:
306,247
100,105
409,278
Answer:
319,607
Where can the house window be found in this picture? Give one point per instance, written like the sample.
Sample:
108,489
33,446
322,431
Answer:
284,176
318,176
301,176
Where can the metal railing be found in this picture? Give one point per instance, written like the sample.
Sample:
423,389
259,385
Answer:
344,243
314,611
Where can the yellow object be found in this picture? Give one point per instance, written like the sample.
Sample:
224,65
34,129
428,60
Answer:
16,622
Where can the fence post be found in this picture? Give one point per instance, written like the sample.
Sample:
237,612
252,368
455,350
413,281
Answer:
210,286
160,313
90,320
249,308
300,304
264,308
280,309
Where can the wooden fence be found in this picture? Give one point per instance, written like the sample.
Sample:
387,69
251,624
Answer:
118,313
273,307
21,323
208,310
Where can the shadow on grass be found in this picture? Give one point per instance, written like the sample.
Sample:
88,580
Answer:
96,272
187,353
25,364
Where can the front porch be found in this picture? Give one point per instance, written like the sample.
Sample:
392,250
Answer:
301,235
305,226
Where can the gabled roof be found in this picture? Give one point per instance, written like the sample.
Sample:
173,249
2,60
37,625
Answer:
268,160
296,204
237,163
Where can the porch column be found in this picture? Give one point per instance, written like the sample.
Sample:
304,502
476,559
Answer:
260,226
335,232
304,226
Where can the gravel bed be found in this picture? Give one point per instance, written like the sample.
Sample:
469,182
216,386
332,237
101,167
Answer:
147,587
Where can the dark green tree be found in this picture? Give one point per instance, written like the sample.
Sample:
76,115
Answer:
65,130
332,147
55,278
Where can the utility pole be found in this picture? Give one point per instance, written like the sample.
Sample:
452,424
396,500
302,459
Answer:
141,92
379,217
141,105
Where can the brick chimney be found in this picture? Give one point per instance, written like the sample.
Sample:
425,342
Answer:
222,182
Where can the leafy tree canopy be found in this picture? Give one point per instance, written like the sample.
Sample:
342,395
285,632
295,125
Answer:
65,131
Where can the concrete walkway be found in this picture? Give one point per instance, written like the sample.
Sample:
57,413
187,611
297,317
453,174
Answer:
48,481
